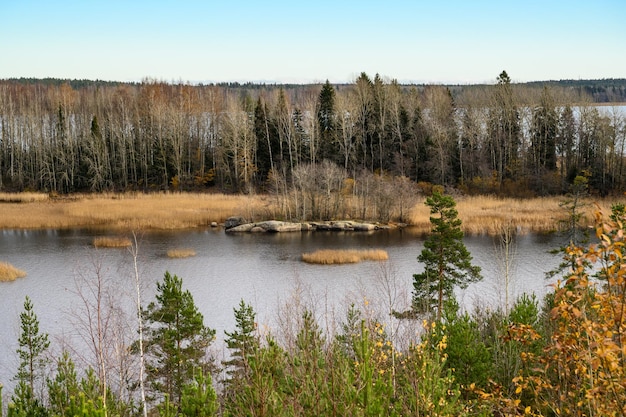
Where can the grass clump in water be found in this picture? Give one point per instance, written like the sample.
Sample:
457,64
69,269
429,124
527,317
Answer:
344,256
180,253
10,273
111,242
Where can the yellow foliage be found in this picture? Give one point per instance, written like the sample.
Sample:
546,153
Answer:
582,370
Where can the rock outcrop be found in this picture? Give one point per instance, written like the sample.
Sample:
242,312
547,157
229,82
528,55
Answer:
275,226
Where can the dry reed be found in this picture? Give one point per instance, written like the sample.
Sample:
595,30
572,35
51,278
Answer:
133,211
180,253
111,242
488,215
10,273
137,211
344,256
25,197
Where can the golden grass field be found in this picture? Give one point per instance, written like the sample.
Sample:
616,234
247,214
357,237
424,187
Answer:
129,211
341,256
10,273
137,211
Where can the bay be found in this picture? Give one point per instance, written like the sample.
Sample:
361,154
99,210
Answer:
265,270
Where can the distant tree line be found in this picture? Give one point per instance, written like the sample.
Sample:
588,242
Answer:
506,138
608,90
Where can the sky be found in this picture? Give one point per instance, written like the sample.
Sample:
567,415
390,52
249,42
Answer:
206,41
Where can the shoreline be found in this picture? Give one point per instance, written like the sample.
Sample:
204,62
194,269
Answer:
177,211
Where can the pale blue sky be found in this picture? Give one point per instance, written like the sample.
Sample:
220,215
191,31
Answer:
454,41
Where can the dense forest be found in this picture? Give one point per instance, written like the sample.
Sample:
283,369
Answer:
516,139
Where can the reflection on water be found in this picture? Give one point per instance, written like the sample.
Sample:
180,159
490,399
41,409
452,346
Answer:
262,269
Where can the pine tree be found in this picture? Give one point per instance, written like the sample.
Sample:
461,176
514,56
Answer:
447,262
467,355
243,341
32,347
199,398
63,387
176,338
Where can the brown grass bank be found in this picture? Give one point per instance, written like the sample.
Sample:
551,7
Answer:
129,211
136,211
347,256
10,273
488,214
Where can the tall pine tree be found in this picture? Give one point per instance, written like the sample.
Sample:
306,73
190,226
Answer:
176,339
31,351
447,262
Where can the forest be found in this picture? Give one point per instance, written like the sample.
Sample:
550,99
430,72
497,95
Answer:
508,139
562,356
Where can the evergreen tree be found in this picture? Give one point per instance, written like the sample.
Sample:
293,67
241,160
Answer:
447,262
63,387
243,341
176,338
544,131
32,346
199,398
326,119
467,354
308,370
504,129
267,147
565,145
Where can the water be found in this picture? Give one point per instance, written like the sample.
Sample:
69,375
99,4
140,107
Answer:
265,270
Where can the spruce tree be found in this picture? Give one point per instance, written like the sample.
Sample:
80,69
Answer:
176,339
326,119
447,262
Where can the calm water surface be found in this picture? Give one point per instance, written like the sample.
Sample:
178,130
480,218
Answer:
263,269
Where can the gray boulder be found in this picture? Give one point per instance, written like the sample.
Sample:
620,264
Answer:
233,222
242,228
276,226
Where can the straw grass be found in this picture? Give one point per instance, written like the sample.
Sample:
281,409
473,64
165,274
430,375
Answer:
111,242
488,215
132,211
344,256
25,197
180,253
138,211
10,273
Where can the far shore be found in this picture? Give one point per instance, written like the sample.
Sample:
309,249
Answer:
158,211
